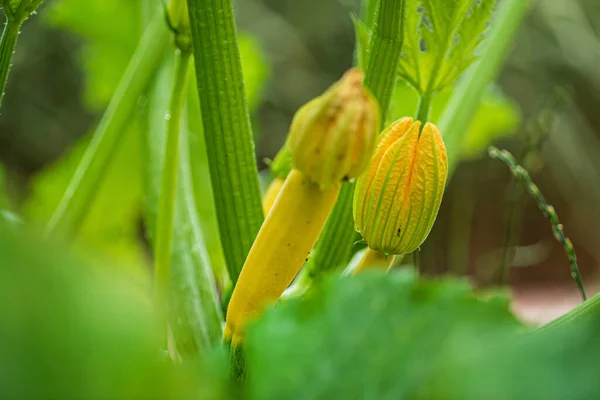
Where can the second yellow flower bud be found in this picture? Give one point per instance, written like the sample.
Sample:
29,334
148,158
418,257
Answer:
398,197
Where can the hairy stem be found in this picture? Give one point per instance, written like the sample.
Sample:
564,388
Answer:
227,130
78,196
7,49
168,187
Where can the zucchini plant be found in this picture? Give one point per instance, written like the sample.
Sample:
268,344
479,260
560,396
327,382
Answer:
297,292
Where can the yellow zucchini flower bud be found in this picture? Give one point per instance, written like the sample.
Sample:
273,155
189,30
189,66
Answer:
332,137
397,199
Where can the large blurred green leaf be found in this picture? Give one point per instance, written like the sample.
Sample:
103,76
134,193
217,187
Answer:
71,332
395,336
496,117
378,336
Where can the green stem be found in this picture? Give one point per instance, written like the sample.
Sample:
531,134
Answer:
227,129
465,99
334,247
368,9
7,49
384,52
78,196
168,187
549,212
194,313
424,107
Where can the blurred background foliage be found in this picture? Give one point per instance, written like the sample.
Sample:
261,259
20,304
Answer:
543,108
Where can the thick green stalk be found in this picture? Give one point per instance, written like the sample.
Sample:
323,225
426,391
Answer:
7,49
168,187
227,130
334,247
384,52
75,202
459,112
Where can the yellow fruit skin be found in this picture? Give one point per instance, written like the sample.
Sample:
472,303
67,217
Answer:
332,137
271,194
397,199
281,247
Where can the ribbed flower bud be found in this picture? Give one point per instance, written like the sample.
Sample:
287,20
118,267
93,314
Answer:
397,199
332,137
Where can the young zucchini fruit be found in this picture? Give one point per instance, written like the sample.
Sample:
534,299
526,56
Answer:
331,139
397,199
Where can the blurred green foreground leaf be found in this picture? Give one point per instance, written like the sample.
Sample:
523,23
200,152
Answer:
68,331
397,337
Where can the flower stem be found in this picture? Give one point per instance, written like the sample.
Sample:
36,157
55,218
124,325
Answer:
227,130
424,107
373,259
168,187
75,202
7,49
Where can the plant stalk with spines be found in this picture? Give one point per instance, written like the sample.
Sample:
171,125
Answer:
549,212
75,202
334,247
15,16
227,129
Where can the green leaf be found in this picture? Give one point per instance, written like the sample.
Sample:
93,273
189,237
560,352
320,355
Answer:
395,336
111,227
441,38
255,69
78,332
496,116
372,336
106,52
